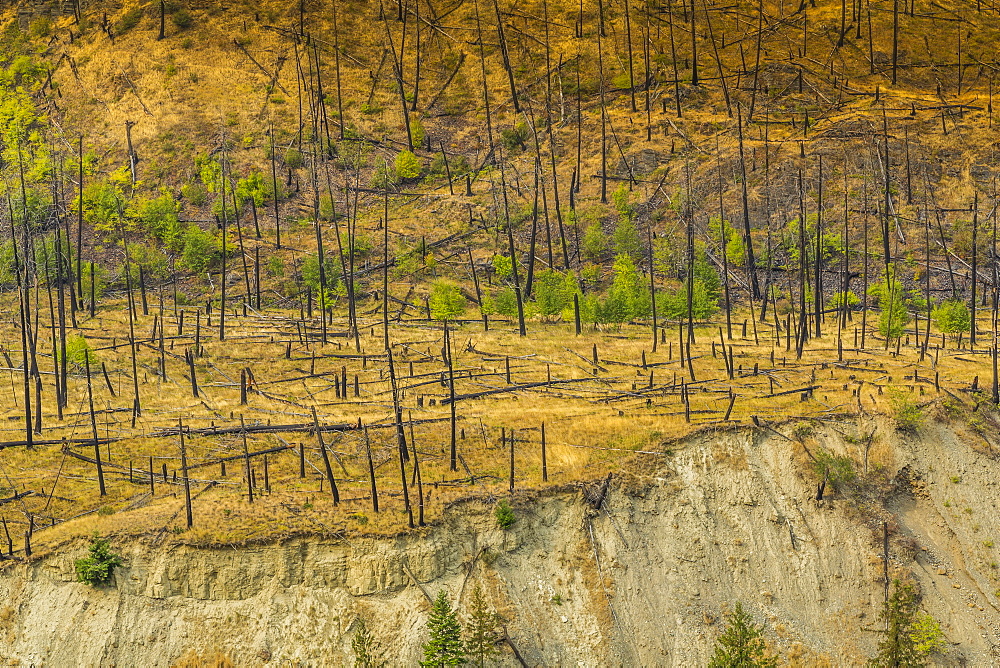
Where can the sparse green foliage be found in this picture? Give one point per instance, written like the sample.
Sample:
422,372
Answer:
627,298
445,647
99,273
742,644
832,468
504,514
720,230
503,266
98,566
129,20
365,648
446,301
839,298
275,266
104,202
200,250
554,292
626,239
196,193
481,631
158,217
294,159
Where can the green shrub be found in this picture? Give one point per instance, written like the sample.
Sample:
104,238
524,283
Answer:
100,279
554,292
905,411
446,301
833,469
78,352
503,266
909,635
182,19
201,248
628,296
383,177
839,298
40,27
504,515
407,166
275,266
158,217
98,566
952,316
417,131
196,193
893,301
595,242
129,20
626,239
723,230
366,650
514,138
294,159
310,272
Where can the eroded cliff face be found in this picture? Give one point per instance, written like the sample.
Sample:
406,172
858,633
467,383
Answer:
644,581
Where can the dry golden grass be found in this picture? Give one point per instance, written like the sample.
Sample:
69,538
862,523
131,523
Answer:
608,421
195,93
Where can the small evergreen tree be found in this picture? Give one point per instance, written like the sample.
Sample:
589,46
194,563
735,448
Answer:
445,647
99,565
897,647
742,644
481,644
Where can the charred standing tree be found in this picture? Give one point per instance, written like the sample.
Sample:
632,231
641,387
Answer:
747,238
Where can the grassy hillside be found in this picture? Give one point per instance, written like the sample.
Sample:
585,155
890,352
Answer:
251,121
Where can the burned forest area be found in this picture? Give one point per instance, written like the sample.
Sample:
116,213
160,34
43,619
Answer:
499,332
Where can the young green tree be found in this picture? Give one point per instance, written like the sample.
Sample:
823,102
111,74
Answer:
99,565
741,644
595,242
445,647
408,166
447,302
628,297
910,635
952,316
481,631
893,301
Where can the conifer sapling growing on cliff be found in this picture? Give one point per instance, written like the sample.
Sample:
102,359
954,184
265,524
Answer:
741,645
482,635
98,566
445,647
